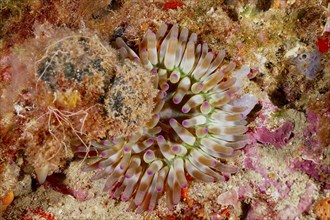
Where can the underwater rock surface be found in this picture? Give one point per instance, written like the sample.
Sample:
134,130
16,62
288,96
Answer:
63,85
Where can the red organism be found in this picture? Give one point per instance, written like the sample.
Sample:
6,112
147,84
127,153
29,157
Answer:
323,43
172,4
38,213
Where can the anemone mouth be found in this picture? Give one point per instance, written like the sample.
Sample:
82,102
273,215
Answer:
193,129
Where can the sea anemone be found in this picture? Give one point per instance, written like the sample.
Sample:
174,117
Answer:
194,127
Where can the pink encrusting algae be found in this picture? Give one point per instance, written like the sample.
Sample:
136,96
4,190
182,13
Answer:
195,127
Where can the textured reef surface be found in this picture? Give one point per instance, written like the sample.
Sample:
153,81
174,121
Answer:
165,109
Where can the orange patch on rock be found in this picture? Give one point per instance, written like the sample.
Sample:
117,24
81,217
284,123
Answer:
322,209
7,200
